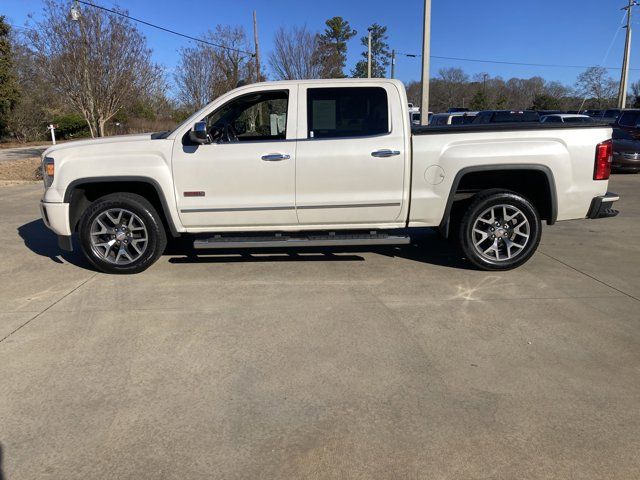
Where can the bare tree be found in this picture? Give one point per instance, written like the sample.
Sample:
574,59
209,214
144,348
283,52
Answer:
206,72
295,54
453,81
635,91
99,63
596,84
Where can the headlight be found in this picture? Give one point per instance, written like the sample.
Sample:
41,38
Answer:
48,169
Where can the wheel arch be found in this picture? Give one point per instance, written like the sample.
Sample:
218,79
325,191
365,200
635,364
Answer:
80,193
508,177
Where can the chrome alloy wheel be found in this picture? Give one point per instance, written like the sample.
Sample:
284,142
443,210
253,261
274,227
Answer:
118,236
501,233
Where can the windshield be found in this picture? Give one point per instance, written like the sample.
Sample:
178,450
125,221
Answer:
199,115
578,120
507,117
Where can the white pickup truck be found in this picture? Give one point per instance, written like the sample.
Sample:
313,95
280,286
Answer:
321,163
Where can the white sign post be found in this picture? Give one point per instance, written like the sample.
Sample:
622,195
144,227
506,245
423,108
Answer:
52,128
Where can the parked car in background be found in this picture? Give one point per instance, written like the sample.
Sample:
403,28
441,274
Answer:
607,116
629,121
507,116
567,118
544,113
626,152
457,118
416,117
593,113
457,109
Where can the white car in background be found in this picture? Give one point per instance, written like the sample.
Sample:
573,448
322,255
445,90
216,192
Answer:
454,118
566,118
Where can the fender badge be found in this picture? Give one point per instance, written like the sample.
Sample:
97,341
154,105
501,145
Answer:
193,194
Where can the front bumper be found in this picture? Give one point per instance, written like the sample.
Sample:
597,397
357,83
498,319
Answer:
601,206
56,218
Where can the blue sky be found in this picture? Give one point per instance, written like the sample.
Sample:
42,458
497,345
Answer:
565,32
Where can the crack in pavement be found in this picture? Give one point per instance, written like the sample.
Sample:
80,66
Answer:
50,306
590,276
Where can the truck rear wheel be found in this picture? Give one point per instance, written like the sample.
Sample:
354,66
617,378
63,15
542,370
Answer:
122,233
500,230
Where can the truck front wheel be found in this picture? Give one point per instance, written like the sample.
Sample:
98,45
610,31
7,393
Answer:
500,230
121,233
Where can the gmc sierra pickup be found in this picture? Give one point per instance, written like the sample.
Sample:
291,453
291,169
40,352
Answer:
320,163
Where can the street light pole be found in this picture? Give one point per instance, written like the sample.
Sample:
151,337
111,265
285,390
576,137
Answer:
426,52
393,64
369,56
257,46
624,77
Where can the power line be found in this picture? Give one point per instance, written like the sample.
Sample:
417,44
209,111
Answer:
12,25
461,59
115,12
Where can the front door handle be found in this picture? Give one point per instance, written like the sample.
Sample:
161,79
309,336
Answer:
275,157
385,153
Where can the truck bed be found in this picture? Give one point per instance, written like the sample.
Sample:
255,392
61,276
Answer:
502,127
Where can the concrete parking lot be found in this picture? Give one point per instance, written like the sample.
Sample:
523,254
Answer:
395,363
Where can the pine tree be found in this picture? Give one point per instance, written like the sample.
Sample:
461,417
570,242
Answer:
9,93
380,55
332,46
479,101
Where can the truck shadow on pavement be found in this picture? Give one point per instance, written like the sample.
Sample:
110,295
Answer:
426,247
2,476
42,241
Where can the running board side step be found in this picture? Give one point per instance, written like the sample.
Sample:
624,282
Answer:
300,240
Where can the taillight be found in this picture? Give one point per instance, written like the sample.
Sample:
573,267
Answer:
604,156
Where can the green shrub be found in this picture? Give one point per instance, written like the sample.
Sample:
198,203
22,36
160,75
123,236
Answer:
70,125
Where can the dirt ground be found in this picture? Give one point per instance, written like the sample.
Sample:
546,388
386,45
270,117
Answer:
13,144
20,171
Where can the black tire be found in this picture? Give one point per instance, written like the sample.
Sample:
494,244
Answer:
147,216
497,236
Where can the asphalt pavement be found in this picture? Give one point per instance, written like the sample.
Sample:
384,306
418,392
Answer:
20,153
385,364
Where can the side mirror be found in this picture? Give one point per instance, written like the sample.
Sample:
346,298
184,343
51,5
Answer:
198,134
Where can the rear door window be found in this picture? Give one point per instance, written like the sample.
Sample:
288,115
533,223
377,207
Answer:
629,119
347,112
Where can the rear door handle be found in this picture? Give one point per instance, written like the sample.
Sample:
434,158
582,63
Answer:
385,153
275,157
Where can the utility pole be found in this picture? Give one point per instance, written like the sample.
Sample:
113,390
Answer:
257,46
426,52
369,56
624,77
393,64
